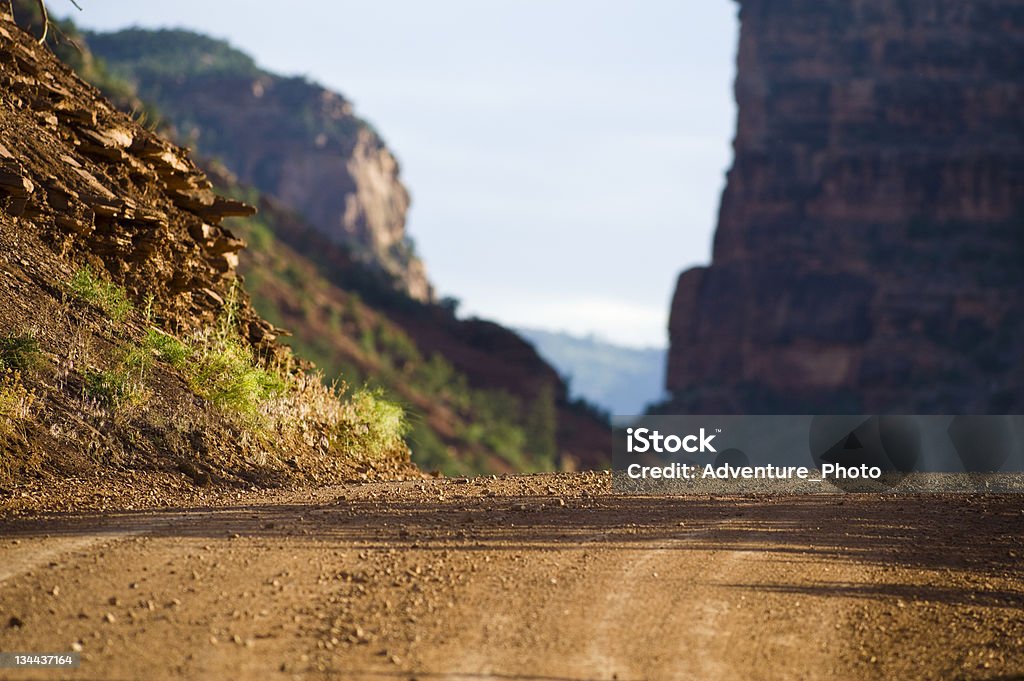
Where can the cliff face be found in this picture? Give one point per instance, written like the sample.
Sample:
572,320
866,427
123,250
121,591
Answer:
870,246
292,139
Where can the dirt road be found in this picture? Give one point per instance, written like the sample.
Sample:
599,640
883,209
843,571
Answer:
541,578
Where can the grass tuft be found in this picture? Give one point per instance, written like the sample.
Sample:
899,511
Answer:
220,366
274,400
117,389
226,372
16,402
19,353
168,348
123,387
109,297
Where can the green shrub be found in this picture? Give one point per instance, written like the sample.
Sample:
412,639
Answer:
375,427
395,346
109,297
218,366
19,353
430,453
227,374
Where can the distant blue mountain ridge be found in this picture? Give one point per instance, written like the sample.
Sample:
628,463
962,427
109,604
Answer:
622,380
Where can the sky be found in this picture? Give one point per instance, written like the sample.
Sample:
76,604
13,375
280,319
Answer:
565,157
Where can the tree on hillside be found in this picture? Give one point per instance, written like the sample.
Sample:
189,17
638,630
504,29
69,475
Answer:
542,426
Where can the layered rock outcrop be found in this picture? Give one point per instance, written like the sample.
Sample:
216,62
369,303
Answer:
99,185
290,138
869,255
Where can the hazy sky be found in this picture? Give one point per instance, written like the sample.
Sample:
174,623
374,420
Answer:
565,157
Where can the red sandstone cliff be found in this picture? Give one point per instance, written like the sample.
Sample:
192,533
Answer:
870,247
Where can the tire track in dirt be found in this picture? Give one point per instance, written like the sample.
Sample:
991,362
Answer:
661,610
519,579
30,554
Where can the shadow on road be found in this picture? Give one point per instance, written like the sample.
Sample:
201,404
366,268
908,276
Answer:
976,534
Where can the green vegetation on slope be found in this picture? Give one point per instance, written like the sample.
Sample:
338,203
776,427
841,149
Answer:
263,396
171,53
108,297
18,352
453,427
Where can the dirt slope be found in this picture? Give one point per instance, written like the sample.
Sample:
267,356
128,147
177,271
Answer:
544,577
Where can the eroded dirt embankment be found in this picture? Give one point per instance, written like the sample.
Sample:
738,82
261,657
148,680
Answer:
540,577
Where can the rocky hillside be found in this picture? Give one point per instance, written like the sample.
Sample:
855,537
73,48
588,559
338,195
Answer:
871,236
479,398
292,139
126,343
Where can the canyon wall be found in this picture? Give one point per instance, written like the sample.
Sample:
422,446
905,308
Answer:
869,255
